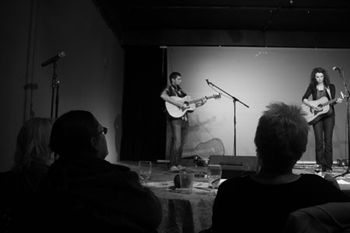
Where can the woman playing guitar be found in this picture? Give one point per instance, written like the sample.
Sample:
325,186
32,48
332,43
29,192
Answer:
320,87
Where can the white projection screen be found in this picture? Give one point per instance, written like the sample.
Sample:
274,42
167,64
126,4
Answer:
256,76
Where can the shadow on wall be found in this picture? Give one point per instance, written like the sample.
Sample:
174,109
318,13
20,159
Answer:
206,149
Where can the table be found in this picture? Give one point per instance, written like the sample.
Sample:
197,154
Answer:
183,212
189,213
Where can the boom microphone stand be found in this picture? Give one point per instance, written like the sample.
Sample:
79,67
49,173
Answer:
55,82
234,99
347,117
54,92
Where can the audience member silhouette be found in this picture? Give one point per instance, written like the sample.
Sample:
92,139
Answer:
19,185
262,202
87,193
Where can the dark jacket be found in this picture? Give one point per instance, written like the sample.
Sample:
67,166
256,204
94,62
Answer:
93,195
312,91
18,196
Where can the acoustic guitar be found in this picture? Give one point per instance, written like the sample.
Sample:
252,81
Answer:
312,116
190,105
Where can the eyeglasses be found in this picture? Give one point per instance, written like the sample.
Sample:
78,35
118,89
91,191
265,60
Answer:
103,131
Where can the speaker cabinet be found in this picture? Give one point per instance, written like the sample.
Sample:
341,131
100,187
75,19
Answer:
233,166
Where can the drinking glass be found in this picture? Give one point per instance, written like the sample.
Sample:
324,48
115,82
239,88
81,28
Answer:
145,170
214,175
186,181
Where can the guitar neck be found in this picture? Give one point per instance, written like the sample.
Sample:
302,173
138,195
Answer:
199,99
329,102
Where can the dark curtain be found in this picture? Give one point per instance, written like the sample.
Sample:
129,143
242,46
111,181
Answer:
143,112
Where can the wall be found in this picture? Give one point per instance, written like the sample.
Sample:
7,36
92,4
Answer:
90,75
256,38
256,76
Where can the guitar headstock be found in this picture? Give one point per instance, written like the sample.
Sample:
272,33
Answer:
215,96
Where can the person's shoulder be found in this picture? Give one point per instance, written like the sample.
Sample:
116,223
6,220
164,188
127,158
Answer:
6,174
125,172
167,88
236,186
120,167
331,86
235,181
11,177
7,178
313,179
311,87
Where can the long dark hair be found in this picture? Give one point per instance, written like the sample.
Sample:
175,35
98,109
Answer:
313,81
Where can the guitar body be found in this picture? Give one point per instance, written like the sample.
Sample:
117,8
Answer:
177,112
313,116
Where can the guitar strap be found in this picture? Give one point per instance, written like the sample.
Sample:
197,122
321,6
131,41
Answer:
177,91
329,93
330,98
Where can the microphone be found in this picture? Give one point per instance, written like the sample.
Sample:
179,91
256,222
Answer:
336,68
53,59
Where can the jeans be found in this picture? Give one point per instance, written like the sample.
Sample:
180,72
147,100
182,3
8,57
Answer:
323,130
179,128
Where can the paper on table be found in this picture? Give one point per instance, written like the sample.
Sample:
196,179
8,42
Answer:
160,184
166,184
343,182
222,180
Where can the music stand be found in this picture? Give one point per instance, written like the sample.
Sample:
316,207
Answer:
234,99
347,118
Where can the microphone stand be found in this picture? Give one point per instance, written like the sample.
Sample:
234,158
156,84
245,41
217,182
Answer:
54,92
234,99
347,121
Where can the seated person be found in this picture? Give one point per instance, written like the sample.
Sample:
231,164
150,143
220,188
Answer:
32,159
332,217
263,201
88,194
